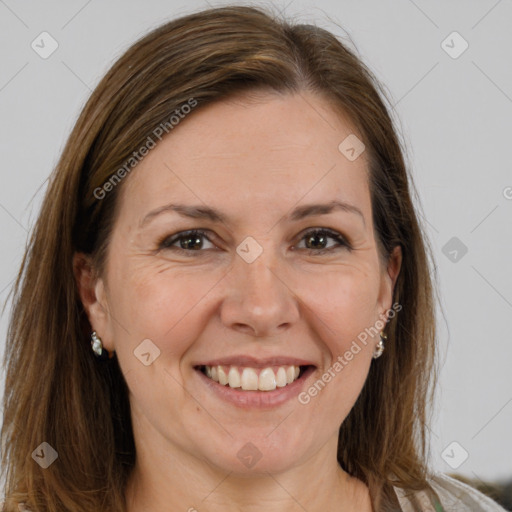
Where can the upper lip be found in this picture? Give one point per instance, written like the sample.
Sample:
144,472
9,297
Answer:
254,362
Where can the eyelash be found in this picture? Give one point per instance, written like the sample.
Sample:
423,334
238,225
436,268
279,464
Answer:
168,241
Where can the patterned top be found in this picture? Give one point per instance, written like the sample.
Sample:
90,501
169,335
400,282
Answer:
454,496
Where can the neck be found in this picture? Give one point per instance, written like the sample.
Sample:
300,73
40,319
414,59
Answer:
188,484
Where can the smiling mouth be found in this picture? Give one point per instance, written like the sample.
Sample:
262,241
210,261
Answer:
253,379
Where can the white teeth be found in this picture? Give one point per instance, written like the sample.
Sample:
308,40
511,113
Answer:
234,378
268,379
281,378
223,378
249,379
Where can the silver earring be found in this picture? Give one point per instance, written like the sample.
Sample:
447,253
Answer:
380,346
97,346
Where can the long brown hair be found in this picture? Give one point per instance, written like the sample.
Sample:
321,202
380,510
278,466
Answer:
55,390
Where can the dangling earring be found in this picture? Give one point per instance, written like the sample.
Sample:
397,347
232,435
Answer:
380,345
97,347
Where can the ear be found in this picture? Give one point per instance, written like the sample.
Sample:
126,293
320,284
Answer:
388,281
91,289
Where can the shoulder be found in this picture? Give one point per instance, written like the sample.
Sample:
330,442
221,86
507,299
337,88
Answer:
454,496
458,496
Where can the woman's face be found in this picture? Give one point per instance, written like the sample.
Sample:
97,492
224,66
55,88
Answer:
256,295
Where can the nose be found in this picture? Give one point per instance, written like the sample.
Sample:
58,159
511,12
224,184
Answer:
258,300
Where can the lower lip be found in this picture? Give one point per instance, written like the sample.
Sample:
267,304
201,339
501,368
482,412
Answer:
257,399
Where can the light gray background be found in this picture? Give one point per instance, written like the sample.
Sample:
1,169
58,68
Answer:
456,117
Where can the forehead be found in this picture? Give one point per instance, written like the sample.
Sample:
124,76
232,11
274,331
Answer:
264,150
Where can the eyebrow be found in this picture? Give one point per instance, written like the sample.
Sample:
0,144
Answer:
301,212
322,209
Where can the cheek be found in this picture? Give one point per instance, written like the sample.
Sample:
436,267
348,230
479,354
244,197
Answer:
342,310
163,306
345,302
167,309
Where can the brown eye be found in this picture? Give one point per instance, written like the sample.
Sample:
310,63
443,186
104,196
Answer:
317,241
188,241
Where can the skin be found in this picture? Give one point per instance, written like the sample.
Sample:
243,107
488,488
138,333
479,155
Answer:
255,159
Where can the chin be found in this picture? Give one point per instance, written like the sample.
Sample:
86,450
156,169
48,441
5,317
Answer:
253,452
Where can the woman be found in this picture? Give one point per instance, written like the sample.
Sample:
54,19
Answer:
226,302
